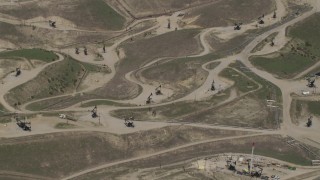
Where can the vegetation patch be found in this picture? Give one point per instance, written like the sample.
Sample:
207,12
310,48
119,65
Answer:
42,105
172,44
313,107
283,65
301,110
65,126
2,110
104,102
233,45
8,31
3,118
62,154
142,8
227,12
268,91
103,16
90,14
308,31
178,160
213,111
173,111
255,112
30,54
212,65
57,103
298,55
242,83
183,75
56,79
263,43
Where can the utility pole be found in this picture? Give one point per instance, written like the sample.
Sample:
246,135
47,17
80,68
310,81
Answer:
251,162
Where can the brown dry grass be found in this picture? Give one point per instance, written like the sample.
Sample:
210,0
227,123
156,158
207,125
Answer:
26,36
270,146
89,14
140,52
151,7
227,12
244,112
57,155
183,75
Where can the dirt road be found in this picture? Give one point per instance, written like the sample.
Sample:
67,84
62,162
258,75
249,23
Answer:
309,136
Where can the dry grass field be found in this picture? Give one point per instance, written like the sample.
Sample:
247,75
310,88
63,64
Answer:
141,8
270,146
227,12
141,52
61,154
88,14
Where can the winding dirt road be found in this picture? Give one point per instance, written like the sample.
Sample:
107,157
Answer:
113,125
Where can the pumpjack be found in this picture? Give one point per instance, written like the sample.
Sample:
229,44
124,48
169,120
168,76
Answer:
154,113
212,86
85,51
23,124
94,112
311,81
261,21
231,165
18,72
237,26
149,99
274,15
309,123
158,90
257,173
104,48
129,122
272,43
77,51
52,24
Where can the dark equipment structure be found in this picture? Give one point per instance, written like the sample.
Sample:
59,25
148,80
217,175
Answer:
149,99
129,122
237,26
94,113
104,48
169,25
158,90
85,51
154,113
231,165
77,51
260,20
52,24
272,43
18,72
274,15
309,123
212,86
311,81
23,124
257,173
